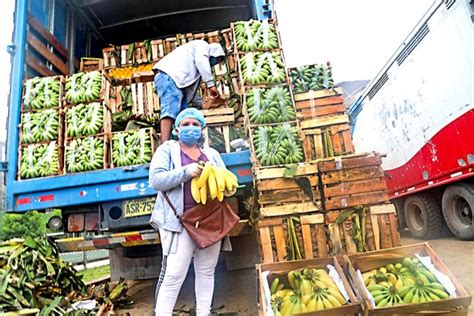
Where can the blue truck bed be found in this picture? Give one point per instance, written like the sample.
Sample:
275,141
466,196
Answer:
82,188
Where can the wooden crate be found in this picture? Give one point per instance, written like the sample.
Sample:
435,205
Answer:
328,141
219,116
107,119
279,196
111,56
60,150
153,137
317,104
60,129
91,64
352,180
384,222
106,155
105,89
270,21
458,305
62,81
145,99
339,235
273,239
281,270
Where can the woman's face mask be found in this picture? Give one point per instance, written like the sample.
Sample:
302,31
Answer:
189,134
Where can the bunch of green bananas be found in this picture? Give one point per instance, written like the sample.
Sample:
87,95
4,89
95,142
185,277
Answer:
311,290
131,148
83,87
252,35
39,160
263,68
85,154
39,126
271,105
314,77
84,119
41,93
408,281
277,145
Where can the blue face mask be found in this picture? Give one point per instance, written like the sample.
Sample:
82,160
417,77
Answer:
189,135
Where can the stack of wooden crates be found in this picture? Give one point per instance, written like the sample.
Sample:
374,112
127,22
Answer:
135,92
335,202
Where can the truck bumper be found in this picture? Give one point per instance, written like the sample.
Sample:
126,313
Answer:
128,239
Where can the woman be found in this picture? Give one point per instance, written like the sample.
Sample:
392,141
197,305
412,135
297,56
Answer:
173,166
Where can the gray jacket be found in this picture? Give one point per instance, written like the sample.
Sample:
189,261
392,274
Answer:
168,175
189,62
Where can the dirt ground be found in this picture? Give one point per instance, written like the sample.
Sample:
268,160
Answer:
235,291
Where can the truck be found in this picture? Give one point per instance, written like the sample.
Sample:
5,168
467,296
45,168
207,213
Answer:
109,208
419,111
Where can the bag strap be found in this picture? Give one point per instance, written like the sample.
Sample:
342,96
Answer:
171,205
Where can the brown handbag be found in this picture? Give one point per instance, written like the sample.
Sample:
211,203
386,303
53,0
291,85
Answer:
207,224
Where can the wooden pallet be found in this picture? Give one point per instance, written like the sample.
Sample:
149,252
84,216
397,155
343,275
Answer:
153,137
60,150
281,269
91,64
458,305
106,155
279,195
352,180
314,238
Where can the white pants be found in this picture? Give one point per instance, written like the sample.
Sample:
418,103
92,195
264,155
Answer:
176,268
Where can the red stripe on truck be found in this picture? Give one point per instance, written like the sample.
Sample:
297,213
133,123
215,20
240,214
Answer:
23,201
44,198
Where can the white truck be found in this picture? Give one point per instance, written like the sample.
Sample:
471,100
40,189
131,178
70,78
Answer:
419,111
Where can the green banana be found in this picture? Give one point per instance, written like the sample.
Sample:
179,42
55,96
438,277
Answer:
132,147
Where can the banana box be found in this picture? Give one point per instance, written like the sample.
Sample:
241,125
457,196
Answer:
306,287
406,280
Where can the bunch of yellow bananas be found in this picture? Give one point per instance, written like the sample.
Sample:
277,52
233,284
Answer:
214,182
312,290
408,281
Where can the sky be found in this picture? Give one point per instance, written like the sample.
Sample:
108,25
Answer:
357,36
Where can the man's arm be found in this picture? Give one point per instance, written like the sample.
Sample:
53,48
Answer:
201,59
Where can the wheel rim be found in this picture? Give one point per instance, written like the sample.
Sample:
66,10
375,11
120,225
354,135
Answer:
462,212
415,215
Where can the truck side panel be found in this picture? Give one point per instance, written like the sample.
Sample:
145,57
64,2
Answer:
420,111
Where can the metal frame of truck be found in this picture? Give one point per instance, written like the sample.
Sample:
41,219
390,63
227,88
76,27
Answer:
419,110
97,190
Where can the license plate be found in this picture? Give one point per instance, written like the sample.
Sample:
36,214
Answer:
139,207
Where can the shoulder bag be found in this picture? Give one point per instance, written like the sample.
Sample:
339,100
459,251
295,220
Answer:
207,224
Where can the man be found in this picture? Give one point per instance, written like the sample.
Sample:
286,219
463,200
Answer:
177,78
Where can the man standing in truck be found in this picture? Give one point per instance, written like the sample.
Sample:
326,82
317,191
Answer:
177,78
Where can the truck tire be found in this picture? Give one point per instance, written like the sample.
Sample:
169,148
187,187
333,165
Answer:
458,207
423,216
400,207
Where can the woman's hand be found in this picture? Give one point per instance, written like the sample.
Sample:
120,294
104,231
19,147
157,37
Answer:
194,169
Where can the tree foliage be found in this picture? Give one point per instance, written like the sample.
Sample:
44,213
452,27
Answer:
21,225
